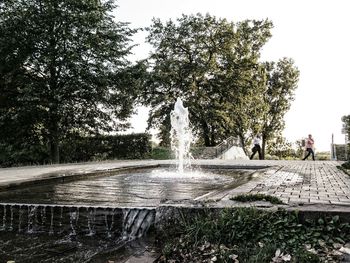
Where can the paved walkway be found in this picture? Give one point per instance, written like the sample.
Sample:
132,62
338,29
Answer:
302,183
295,182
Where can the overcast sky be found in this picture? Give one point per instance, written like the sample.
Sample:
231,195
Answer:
315,33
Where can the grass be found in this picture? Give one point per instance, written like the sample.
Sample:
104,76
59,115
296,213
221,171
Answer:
251,235
257,197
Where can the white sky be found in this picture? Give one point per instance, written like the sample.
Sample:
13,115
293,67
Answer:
315,33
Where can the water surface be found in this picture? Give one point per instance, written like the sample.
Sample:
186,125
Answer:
141,188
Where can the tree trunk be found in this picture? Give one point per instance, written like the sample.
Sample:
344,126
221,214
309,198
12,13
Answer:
212,143
53,84
54,150
241,138
54,143
206,134
263,146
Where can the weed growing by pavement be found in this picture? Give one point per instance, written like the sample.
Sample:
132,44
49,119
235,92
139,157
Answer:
345,167
257,197
252,235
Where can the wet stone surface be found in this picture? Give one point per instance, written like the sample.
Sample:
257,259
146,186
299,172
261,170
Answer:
141,188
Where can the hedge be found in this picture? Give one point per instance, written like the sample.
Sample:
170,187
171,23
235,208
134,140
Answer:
79,149
129,146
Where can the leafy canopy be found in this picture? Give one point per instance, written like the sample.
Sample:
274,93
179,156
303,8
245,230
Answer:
63,70
212,64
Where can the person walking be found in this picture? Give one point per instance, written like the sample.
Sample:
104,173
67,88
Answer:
309,145
256,148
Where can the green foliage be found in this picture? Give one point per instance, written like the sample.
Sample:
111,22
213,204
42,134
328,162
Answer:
282,80
129,146
346,165
303,256
252,235
63,70
282,148
323,156
212,64
346,131
257,197
29,154
346,125
161,153
165,153
80,149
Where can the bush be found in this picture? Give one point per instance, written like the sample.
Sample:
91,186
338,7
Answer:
161,153
78,149
251,235
323,156
346,165
104,147
23,154
271,157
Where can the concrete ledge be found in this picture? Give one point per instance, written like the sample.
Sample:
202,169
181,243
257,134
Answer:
68,176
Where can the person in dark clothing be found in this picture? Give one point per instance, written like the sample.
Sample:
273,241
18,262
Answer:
309,147
257,147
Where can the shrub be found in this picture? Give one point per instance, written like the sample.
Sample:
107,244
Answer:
104,147
346,165
161,153
251,235
78,149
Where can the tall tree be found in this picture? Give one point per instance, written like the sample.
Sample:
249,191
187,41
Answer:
346,130
63,69
346,125
282,80
210,63
281,148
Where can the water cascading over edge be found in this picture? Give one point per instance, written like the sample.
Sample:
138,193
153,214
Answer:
117,223
180,135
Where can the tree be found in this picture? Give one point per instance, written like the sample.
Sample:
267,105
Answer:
212,65
346,130
281,148
346,125
63,70
282,80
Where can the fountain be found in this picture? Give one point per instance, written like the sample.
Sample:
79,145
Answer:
92,216
180,135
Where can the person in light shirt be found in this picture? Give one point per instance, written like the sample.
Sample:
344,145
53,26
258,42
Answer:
309,145
256,148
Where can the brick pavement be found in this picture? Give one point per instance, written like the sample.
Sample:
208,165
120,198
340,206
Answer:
302,182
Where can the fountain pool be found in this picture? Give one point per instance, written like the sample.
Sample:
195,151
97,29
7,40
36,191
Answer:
97,219
136,188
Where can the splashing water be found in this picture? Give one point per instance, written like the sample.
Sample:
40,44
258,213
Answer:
180,135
